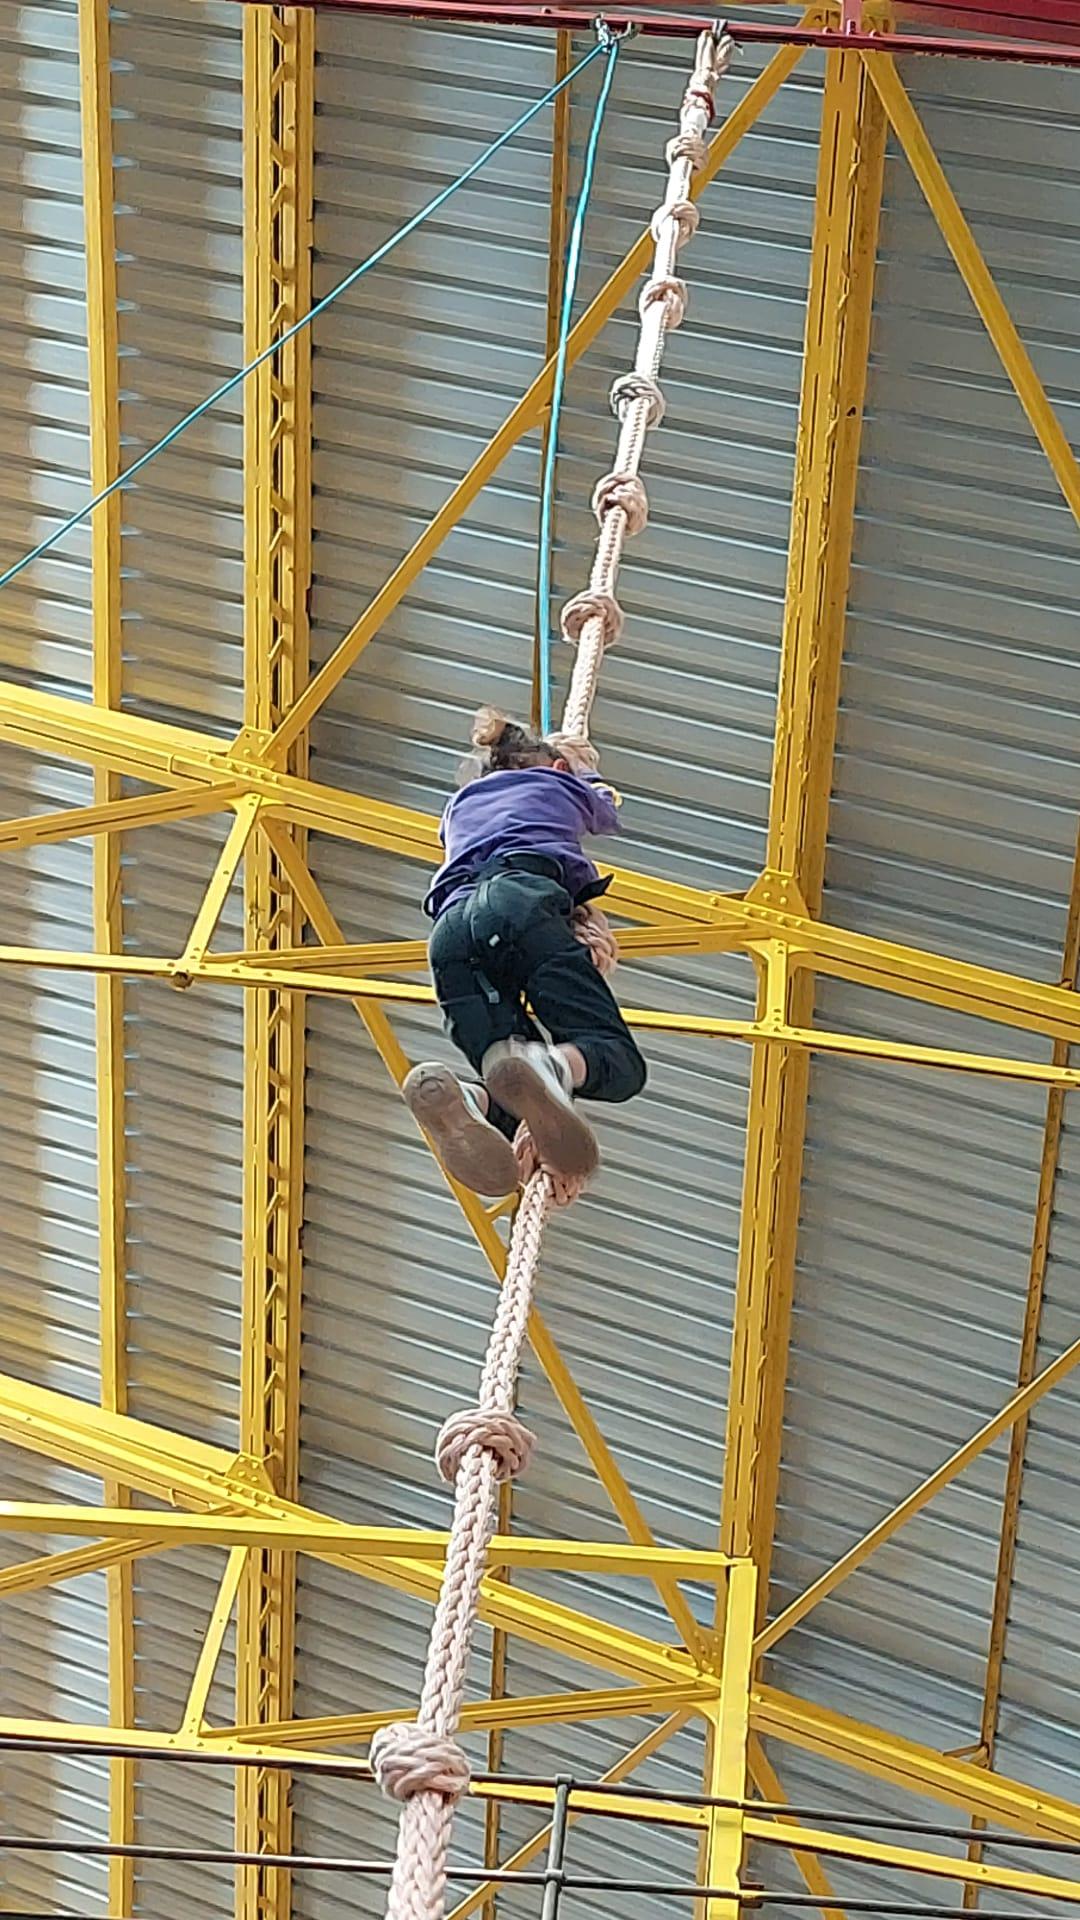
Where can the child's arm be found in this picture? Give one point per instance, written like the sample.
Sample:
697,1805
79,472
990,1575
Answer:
605,802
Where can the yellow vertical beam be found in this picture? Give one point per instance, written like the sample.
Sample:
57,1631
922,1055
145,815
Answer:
726,1771
830,421
278,157
106,673
767,1782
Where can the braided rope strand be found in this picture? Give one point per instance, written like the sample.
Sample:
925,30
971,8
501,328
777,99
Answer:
593,620
423,1765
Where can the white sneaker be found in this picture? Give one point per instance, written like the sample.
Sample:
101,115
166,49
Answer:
534,1083
469,1147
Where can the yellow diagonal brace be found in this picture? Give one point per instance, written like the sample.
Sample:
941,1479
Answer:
110,816
210,1652
976,274
526,415
1020,1404
547,1353
48,1569
914,1768
529,1710
830,421
220,884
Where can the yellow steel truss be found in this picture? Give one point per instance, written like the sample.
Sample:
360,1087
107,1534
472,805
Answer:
248,1504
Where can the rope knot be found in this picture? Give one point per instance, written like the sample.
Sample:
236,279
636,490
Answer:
670,293
564,1188
625,493
407,1759
683,212
687,146
699,96
629,388
592,605
502,1435
576,749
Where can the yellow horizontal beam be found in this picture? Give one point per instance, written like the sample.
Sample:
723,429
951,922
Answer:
53,724
627,1805
407,956
164,755
220,970
375,1543
172,1467
530,1710
64,1735
876,1853
60,1736
1014,1409
992,1797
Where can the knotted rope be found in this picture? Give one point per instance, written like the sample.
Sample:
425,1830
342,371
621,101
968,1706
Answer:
422,1765
593,620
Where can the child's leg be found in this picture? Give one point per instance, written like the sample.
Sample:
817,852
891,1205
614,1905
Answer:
527,917
479,1006
581,1013
470,1134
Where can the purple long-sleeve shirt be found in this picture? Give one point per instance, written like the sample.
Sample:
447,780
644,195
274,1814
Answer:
524,810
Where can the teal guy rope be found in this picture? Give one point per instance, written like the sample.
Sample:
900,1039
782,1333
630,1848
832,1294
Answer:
547,485
235,380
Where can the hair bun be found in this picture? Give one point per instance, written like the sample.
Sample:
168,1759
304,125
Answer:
489,727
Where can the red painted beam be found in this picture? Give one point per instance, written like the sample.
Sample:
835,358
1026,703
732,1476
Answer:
1054,20
1011,20
657,19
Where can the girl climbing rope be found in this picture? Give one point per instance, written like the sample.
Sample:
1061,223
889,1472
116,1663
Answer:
511,905
486,957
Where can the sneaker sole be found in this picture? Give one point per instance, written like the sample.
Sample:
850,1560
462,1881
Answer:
563,1140
473,1152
